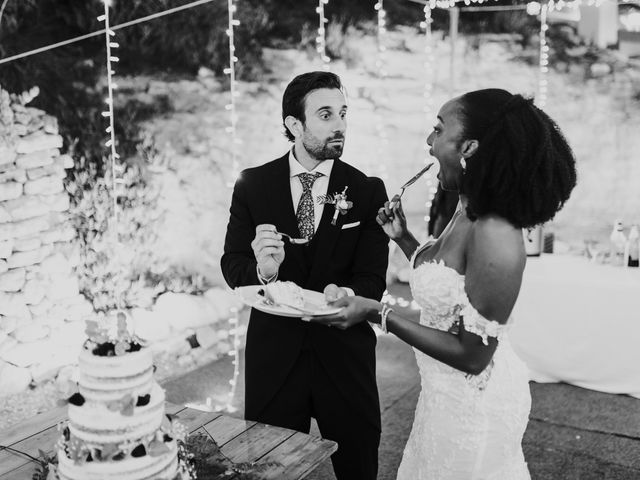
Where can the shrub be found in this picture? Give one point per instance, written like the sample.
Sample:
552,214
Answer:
132,271
109,270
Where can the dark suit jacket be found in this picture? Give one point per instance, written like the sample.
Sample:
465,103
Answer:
355,257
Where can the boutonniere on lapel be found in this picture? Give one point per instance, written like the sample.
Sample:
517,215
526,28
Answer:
340,202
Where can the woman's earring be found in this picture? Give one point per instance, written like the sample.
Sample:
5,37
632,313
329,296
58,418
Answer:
463,163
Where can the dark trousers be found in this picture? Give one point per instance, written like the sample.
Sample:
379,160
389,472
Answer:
309,392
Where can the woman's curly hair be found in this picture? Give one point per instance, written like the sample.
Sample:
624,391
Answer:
523,170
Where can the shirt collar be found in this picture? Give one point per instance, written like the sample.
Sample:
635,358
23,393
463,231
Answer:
296,169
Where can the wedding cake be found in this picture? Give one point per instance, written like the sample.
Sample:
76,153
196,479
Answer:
117,425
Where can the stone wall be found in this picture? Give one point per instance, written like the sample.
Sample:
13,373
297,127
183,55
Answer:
41,309
42,313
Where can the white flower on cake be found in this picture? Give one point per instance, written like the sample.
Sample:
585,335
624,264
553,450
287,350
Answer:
112,335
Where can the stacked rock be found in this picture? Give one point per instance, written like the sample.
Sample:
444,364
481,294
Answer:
42,313
41,309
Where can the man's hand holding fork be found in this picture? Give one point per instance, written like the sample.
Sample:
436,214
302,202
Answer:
268,249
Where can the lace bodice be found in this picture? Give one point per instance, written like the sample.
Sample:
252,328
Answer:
466,426
439,290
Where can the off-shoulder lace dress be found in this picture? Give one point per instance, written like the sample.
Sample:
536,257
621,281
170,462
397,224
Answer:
466,427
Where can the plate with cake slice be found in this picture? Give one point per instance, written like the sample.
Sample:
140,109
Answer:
286,299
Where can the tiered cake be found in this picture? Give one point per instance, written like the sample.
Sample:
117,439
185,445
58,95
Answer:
117,425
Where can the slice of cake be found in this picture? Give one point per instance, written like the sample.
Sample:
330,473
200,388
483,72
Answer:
117,425
284,293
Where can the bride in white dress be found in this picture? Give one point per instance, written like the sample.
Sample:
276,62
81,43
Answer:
513,169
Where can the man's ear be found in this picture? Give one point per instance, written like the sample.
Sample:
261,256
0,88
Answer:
294,125
469,147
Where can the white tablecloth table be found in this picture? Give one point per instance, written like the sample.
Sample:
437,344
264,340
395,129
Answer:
579,322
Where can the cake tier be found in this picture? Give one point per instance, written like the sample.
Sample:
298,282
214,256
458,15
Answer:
162,467
111,378
95,423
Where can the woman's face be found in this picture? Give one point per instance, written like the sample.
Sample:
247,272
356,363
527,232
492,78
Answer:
446,145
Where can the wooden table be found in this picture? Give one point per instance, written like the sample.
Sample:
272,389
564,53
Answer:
296,454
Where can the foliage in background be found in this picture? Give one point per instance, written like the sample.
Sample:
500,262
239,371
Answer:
132,270
110,270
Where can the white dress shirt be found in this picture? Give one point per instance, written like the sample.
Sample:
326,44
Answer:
318,188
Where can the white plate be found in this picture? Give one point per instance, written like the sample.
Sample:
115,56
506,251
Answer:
314,303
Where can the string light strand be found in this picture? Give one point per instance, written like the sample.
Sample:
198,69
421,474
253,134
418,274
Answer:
544,59
235,353
232,129
80,38
117,169
552,4
444,4
432,186
321,38
381,100
235,172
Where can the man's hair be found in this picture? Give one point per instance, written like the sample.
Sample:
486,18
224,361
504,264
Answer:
295,94
523,170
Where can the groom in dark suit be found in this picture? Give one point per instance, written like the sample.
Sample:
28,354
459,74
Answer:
296,370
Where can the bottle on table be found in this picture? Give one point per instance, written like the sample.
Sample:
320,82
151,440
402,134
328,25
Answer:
632,250
618,243
533,240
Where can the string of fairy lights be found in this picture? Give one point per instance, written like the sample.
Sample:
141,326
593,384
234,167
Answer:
432,186
232,129
117,168
544,59
321,38
234,329
381,99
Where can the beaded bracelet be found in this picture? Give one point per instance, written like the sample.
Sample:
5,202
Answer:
384,313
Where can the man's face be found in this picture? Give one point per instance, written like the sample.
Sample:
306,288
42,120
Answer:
325,123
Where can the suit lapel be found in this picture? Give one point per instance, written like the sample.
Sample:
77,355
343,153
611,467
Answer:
281,204
327,234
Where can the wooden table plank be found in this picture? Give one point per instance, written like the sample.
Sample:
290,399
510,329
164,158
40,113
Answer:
223,429
298,455
45,441
23,472
32,426
255,443
194,419
173,409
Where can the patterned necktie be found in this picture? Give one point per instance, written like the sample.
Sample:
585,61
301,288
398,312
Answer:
304,213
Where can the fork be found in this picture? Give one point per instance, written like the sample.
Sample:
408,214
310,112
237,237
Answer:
273,304
409,183
292,240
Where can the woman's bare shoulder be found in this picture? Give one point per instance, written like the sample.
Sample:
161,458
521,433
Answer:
497,241
495,265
